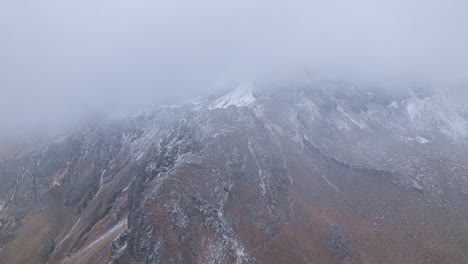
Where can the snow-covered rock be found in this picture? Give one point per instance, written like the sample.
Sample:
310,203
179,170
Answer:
240,96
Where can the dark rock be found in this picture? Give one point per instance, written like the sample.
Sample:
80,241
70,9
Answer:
339,243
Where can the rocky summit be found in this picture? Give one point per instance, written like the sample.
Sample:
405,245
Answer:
329,173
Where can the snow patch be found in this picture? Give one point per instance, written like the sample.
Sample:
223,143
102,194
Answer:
111,232
393,105
356,120
419,139
260,171
330,183
68,234
422,140
239,97
428,112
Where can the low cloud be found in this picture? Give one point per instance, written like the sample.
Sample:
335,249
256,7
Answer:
61,60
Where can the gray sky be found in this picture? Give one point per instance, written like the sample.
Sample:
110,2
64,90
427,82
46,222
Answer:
62,59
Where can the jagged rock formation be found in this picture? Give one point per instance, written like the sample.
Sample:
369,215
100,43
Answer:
327,174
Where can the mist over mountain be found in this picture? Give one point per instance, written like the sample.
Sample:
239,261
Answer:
62,61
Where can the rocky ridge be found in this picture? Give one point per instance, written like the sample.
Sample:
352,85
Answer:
332,173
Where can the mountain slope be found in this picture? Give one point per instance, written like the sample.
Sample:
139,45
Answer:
326,174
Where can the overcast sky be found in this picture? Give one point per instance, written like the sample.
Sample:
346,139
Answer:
62,59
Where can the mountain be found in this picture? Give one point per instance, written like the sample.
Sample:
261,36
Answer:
329,173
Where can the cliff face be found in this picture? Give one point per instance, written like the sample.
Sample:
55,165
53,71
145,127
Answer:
329,174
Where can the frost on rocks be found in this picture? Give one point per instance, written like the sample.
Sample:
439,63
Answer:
428,111
240,97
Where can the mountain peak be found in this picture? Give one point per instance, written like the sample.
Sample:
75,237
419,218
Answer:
240,96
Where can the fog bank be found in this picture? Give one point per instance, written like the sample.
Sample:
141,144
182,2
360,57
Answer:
62,60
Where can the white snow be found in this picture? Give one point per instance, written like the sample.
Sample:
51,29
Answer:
393,105
101,180
423,113
69,233
422,140
239,97
419,139
330,183
355,119
260,171
111,232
